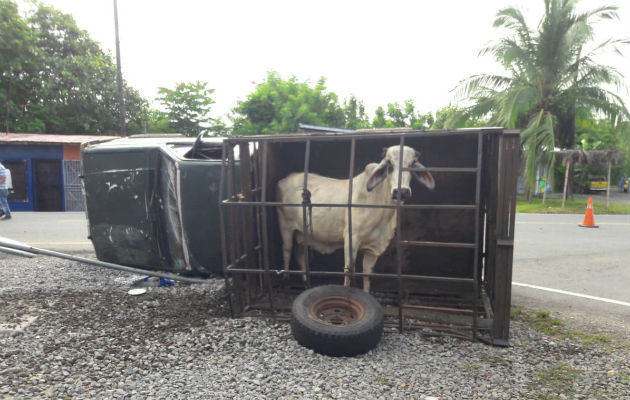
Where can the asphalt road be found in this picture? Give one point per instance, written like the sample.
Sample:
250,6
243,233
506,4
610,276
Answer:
551,253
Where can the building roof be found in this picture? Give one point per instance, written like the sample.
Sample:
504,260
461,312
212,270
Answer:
44,138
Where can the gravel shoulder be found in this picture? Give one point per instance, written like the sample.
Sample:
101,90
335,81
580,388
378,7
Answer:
69,330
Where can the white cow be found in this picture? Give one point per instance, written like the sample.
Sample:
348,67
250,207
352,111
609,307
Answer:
372,228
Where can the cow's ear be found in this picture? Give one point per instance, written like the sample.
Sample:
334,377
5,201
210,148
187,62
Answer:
378,175
423,177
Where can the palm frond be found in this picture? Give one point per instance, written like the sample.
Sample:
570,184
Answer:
517,101
600,100
538,143
480,84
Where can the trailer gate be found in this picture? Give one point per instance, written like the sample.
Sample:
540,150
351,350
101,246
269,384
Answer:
461,294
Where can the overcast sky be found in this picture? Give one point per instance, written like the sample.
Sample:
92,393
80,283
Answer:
382,52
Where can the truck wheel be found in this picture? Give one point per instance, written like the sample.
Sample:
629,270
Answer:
337,320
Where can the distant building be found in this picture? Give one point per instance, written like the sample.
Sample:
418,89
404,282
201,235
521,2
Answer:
45,170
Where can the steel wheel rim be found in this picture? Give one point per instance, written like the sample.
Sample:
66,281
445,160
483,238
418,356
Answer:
337,311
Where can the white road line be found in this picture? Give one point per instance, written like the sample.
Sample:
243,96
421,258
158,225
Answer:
585,296
568,223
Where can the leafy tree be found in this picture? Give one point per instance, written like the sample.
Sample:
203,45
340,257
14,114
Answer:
379,120
552,78
445,115
279,106
56,79
157,121
405,116
593,134
354,114
188,107
16,54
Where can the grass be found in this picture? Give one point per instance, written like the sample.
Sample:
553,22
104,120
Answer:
382,381
554,206
495,361
472,366
557,379
542,321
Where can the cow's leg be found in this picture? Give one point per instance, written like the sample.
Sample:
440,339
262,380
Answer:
369,260
287,243
301,251
346,253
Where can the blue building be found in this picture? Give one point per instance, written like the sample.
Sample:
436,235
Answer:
45,170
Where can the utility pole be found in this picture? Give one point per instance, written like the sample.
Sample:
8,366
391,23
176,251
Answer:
121,99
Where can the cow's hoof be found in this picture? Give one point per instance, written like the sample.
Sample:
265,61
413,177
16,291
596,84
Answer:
337,320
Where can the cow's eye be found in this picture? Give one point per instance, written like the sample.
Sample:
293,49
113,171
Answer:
390,166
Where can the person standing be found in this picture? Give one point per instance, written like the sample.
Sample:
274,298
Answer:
5,185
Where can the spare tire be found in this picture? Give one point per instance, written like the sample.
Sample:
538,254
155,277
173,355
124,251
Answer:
337,320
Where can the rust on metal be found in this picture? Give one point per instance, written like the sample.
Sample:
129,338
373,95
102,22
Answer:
337,310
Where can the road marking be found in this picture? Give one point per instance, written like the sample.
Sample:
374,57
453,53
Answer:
585,296
571,223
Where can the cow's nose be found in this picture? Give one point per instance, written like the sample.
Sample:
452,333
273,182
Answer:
405,194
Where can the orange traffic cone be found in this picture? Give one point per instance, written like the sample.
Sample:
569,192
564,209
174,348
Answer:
589,218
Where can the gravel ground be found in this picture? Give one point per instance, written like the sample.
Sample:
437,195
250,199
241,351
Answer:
72,331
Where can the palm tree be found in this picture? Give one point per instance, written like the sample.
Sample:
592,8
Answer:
552,78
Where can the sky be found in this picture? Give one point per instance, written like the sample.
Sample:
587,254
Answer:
380,51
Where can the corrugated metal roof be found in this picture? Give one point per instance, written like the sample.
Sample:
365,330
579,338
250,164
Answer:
43,138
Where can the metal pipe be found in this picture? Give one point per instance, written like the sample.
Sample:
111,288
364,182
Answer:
265,229
11,244
350,181
440,169
16,252
476,251
327,137
399,233
306,197
445,309
438,244
222,209
328,205
359,274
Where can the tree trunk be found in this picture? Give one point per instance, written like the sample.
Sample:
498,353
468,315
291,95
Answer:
566,140
566,181
545,186
608,185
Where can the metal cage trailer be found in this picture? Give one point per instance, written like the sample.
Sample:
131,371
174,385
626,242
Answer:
447,269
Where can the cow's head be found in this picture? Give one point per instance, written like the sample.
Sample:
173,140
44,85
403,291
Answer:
388,169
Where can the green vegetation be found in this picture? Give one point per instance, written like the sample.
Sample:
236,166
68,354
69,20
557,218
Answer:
55,79
188,109
382,381
557,379
495,361
552,79
278,106
472,366
543,322
554,206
